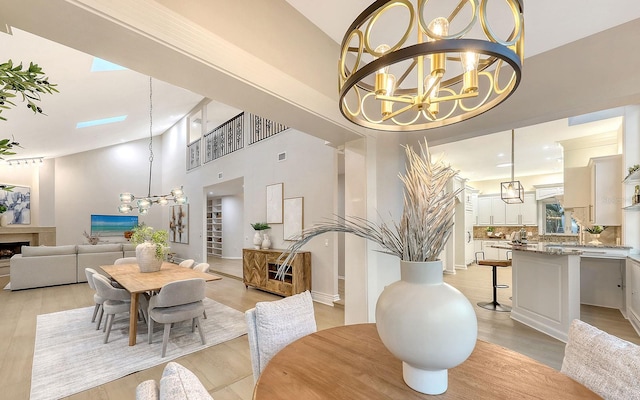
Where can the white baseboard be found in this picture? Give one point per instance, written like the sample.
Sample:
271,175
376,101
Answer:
324,298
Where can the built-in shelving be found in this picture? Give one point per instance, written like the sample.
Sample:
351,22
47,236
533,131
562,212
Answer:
214,227
633,177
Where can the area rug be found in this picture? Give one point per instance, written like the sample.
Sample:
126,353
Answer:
70,356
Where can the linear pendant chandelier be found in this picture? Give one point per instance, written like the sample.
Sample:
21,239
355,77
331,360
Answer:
143,204
512,192
409,65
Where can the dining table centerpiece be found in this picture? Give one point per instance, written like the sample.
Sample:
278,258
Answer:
423,321
152,247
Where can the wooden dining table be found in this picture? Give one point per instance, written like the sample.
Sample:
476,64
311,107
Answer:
135,282
351,362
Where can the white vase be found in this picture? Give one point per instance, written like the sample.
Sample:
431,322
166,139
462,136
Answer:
5,218
266,241
257,240
426,323
146,257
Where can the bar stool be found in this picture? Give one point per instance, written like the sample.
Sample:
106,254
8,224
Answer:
494,305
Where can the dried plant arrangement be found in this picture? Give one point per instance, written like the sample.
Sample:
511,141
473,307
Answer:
426,223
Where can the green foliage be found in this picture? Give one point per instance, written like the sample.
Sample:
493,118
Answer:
260,226
490,229
3,208
596,229
143,233
30,83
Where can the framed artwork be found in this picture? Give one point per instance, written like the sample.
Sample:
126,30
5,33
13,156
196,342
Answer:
179,224
275,193
18,203
293,217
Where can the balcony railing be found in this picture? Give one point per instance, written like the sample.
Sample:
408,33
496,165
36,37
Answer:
230,137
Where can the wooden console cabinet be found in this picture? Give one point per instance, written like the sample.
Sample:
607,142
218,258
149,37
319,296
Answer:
259,269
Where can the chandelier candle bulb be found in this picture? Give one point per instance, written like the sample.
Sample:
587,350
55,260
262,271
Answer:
469,61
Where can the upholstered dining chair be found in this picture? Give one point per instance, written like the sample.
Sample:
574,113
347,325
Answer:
202,267
89,272
125,260
177,301
606,364
187,263
274,324
116,301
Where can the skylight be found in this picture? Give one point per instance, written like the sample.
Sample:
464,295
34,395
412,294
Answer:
99,65
102,121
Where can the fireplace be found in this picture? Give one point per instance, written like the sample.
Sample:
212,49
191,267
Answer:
7,250
13,237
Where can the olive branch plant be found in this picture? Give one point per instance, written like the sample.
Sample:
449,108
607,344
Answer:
424,227
30,83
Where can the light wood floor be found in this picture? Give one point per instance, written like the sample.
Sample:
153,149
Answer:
225,369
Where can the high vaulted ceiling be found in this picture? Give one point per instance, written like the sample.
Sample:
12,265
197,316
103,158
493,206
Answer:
278,58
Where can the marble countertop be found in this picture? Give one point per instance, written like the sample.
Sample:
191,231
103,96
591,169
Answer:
562,248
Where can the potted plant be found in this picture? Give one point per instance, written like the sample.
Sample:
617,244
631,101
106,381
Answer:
490,230
259,237
424,322
152,246
595,230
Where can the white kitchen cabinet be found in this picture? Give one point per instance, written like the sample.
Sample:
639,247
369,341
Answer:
523,213
577,187
492,253
633,293
491,210
606,192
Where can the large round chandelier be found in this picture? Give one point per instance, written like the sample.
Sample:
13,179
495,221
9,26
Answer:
409,65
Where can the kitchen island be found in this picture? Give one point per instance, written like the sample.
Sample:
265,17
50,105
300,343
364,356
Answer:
547,284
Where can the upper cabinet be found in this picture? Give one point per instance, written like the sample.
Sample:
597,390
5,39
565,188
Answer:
492,210
523,213
606,192
577,187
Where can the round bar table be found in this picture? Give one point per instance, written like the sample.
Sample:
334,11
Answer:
350,362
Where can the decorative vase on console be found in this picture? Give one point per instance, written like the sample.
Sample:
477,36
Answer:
429,325
266,241
258,236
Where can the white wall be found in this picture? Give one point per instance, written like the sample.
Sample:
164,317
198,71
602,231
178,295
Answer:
90,183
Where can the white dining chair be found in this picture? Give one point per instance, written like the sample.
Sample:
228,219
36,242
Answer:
274,324
126,260
201,267
116,301
177,301
187,263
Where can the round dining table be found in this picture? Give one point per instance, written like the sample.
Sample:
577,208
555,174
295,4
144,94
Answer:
351,362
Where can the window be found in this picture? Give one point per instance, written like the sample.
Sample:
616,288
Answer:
556,220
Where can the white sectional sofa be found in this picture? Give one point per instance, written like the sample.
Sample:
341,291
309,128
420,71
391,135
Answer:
40,266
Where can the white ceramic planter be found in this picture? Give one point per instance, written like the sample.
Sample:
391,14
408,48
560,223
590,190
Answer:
257,240
146,257
427,324
266,241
